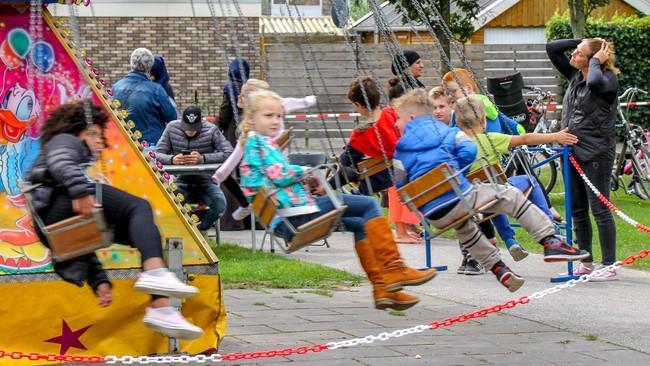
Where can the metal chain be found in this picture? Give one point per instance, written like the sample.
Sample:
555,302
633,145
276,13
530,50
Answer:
446,58
311,52
381,337
222,44
251,40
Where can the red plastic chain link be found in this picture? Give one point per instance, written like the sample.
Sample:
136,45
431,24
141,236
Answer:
35,356
274,353
479,313
604,200
633,258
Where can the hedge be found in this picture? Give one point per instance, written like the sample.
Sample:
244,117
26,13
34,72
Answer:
631,38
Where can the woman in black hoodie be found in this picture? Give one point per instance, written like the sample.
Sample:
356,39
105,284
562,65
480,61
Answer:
589,111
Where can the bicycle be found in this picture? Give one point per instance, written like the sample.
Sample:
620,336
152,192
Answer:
637,145
545,168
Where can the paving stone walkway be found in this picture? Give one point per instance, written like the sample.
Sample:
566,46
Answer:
596,324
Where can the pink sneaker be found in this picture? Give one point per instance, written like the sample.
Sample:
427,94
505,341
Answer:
604,277
579,270
165,283
171,323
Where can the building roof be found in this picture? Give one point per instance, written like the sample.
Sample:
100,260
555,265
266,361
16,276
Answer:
489,10
288,26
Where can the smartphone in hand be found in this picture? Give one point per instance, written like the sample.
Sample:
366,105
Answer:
186,152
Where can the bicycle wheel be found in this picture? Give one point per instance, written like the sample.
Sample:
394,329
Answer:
546,173
641,184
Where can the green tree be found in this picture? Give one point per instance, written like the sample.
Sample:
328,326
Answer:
579,11
359,8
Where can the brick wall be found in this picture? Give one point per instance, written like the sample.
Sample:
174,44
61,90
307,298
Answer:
195,60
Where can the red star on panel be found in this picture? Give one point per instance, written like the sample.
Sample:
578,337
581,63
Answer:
68,338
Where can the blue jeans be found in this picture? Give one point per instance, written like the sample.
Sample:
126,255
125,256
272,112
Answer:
536,197
360,210
210,195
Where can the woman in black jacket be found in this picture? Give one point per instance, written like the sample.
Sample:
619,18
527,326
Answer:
66,190
589,111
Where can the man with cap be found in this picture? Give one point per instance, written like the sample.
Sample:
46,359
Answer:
147,102
191,141
407,67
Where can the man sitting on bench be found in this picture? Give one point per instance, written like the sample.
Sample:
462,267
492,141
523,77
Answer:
191,141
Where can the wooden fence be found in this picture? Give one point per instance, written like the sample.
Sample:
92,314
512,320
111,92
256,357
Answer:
326,70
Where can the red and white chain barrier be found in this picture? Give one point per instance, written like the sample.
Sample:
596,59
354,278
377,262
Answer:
605,201
381,337
557,107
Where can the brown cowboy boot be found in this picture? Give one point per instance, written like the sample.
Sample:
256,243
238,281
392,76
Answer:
396,274
383,299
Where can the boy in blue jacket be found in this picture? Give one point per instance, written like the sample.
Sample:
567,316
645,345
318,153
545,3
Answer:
427,143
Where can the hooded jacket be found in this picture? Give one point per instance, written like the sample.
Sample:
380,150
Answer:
229,112
426,144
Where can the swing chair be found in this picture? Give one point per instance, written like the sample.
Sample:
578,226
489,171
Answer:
75,236
284,140
441,180
265,207
370,167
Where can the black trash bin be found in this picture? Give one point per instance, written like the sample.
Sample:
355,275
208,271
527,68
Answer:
509,99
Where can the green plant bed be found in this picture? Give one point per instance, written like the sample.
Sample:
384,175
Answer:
240,268
629,240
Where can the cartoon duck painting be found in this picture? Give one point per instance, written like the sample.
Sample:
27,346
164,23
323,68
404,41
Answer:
20,250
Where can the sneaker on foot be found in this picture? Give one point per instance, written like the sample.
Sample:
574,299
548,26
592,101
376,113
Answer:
241,213
165,283
604,276
507,277
473,267
171,323
556,250
516,251
463,264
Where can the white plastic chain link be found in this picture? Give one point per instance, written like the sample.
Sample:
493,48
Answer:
573,282
143,360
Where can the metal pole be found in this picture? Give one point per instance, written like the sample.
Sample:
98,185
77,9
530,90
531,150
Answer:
174,251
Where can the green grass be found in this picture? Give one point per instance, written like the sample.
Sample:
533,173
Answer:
629,240
591,337
240,268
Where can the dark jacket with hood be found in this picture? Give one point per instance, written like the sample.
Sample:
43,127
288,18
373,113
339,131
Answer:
59,169
229,112
589,106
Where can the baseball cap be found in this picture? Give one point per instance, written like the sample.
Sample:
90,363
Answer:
191,120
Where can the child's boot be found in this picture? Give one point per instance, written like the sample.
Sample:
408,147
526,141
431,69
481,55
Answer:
507,277
398,300
396,273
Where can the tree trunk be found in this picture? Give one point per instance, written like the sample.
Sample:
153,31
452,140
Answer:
445,9
578,18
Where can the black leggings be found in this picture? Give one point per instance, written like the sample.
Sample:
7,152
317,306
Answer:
235,190
129,217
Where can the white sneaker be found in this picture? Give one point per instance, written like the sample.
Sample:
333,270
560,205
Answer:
171,323
241,213
165,284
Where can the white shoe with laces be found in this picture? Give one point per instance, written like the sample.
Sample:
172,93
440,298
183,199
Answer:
170,322
241,213
165,283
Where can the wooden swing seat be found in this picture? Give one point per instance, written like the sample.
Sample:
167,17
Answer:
77,236
285,139
369,167
432,185
498,175
265,208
